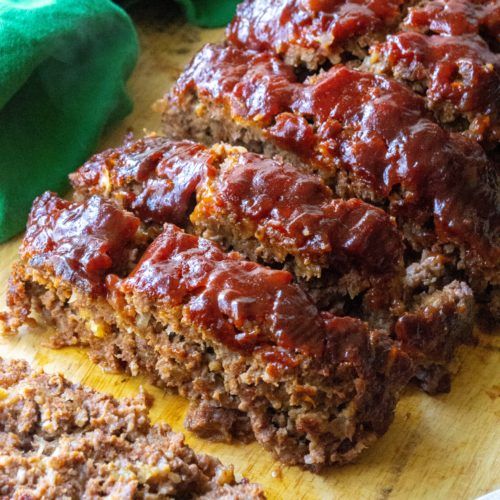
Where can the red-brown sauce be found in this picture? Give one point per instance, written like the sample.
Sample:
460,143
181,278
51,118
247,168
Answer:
461,70
80,243
295,210
456,17
159,178
373,127
246,306
311,24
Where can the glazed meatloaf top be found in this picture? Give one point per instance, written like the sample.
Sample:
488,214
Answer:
154,178
273,201
456,17
245,306
79,242
374,128
296,211
459,75
312,31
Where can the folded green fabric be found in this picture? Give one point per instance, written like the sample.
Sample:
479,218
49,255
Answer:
63,67
209,13
204,13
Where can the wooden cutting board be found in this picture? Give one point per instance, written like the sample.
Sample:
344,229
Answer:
445,447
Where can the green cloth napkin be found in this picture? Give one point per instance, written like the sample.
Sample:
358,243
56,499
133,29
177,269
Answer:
209,13
204,13
63,67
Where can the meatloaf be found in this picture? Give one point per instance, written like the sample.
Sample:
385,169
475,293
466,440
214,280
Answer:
241,341
368,135
346,254
61,440
266,209
313,32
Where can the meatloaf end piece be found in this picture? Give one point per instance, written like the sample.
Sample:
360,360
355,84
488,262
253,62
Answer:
266,209
368,135
459,76
61,440
234,337
312,32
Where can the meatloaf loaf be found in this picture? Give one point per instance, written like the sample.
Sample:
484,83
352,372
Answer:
241,341
346,254
61,440
368,135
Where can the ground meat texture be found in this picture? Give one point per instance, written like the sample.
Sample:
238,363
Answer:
311,32
369,136
60,439
436,325
315,389
459,75
266,209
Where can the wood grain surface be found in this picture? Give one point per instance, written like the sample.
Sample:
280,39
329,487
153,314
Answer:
445,447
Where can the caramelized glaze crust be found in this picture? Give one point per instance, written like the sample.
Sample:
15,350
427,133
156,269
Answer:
350,124
456,17
81,243
459,76
312,31
154,178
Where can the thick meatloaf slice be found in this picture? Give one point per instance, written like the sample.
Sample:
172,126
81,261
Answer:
266,209
346,254
459,76
61,440
312,32
368,135
241,341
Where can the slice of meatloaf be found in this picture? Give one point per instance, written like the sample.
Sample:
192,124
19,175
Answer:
241,341
459,76
368,135
61,440
266,209
311,32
